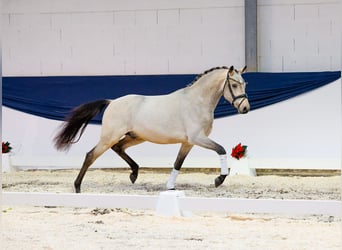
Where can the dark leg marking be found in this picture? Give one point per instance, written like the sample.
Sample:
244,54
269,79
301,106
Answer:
182,154
219,180
210,144
128,141
87,162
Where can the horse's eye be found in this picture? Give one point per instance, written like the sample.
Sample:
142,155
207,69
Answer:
234,86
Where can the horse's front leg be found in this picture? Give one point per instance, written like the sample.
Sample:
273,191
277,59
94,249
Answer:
183,152
205,142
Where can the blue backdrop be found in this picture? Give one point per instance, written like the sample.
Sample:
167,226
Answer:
53,97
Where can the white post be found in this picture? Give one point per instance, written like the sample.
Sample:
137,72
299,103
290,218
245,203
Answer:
168,204
6,163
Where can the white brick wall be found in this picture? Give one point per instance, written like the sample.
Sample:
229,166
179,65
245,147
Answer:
299,35
120,37
88,37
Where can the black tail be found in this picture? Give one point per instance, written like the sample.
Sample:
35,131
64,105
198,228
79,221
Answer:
78,120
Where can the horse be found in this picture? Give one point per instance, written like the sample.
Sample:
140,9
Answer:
184,116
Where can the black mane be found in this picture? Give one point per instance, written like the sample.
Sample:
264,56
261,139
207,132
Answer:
206,72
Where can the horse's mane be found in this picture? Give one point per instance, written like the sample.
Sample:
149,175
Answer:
206,72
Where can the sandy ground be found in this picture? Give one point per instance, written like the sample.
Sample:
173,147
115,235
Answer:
88,228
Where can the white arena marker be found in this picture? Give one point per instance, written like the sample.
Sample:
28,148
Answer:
241,167
168,204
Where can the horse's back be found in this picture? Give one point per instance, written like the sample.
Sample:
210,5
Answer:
123,106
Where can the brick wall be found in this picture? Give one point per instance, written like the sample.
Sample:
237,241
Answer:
165,37
299,35
117,37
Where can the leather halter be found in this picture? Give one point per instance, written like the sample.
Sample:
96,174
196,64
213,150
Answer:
235,98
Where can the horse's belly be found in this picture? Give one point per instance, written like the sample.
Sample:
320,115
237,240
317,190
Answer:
161,136
166,140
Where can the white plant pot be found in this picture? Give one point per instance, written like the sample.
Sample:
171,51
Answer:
6,163
241,167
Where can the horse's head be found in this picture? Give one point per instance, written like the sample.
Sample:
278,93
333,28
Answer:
234,90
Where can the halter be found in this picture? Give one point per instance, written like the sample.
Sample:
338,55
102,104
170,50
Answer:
243,96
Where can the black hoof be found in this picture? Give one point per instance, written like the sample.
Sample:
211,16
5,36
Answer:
219,180
77,187
133,177
171,189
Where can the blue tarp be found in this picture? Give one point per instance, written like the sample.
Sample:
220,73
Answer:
53,97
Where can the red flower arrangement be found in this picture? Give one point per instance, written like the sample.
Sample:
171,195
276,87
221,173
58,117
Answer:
239,151
6,148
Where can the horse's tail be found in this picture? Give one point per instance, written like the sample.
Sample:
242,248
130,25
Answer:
76,121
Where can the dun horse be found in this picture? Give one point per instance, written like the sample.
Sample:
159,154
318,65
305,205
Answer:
184,116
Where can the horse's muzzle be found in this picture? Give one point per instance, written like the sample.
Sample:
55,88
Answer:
244,106
244,110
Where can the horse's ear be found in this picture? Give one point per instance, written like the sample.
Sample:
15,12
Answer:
244,69
231,70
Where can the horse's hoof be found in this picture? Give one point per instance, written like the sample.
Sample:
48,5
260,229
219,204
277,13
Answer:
219,180
78,190
133,177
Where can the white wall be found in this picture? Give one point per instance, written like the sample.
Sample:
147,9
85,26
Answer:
50,37
121,37
299,35
90,37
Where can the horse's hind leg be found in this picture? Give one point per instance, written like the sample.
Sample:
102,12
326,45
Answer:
129,140
91,156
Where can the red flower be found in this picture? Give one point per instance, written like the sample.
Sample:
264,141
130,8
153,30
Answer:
239,151
6,148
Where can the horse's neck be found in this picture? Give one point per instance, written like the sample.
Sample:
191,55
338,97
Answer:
209,88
